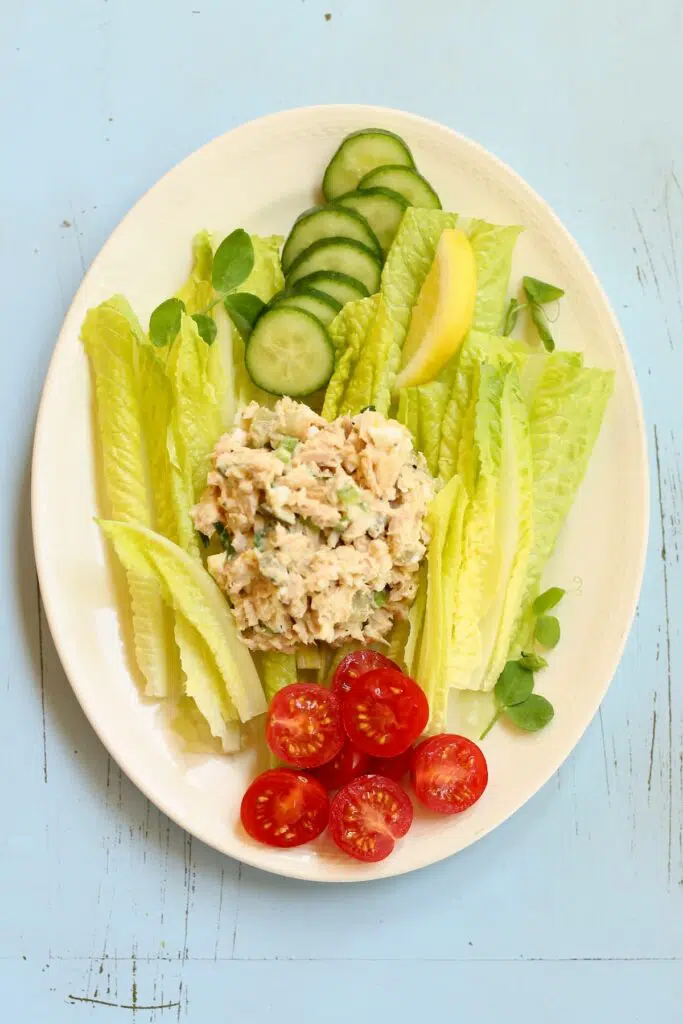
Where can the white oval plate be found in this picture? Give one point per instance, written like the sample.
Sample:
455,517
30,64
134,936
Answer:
260,177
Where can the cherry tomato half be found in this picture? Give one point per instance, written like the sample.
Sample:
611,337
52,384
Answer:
284,808
449,773
348,764
356,664
384,712
368,815
304,726
395,768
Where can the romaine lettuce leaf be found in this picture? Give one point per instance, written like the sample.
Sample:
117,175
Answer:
566,410
204,685
444,558
421,409
196,374
197,292
187,587
131,402
347,331
493,247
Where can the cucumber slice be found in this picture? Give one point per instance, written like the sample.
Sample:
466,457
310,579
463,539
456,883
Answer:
338,286
318,303
289,352
382,208
344,255
326,222
359,154
407,182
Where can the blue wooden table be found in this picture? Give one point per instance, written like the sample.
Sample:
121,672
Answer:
573,910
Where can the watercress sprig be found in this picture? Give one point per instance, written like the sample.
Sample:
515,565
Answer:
232,264
513,693
538,294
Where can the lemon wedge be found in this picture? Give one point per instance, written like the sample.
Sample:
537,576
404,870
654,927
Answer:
443,312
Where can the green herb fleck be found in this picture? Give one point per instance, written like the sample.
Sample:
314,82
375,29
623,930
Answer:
289,443
380,598
233,262
164,323
259,539
533,714
224,538
349,494
547,631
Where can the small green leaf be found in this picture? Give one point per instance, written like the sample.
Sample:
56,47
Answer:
533,714
532,661
164,322
244,310
206,327
548,631
233,262
540,292
512,316
514,685
540,322
547,600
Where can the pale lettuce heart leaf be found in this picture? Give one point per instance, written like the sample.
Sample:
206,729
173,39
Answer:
266,278
197,291
512,541
187,587
198,383
131,404
191,728
204,685
566,409
444,556
416,616
479,471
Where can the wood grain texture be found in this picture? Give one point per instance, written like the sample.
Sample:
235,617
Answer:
574,908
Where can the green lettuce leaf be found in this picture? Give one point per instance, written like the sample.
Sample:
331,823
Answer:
477,348
567,405
197,292
416,616
187,588
198,383
266,278
347,331
421,409
131,404
493,248
444,560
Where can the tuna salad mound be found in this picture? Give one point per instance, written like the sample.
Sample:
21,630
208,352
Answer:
322,524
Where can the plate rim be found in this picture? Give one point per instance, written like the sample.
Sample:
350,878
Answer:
294,869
